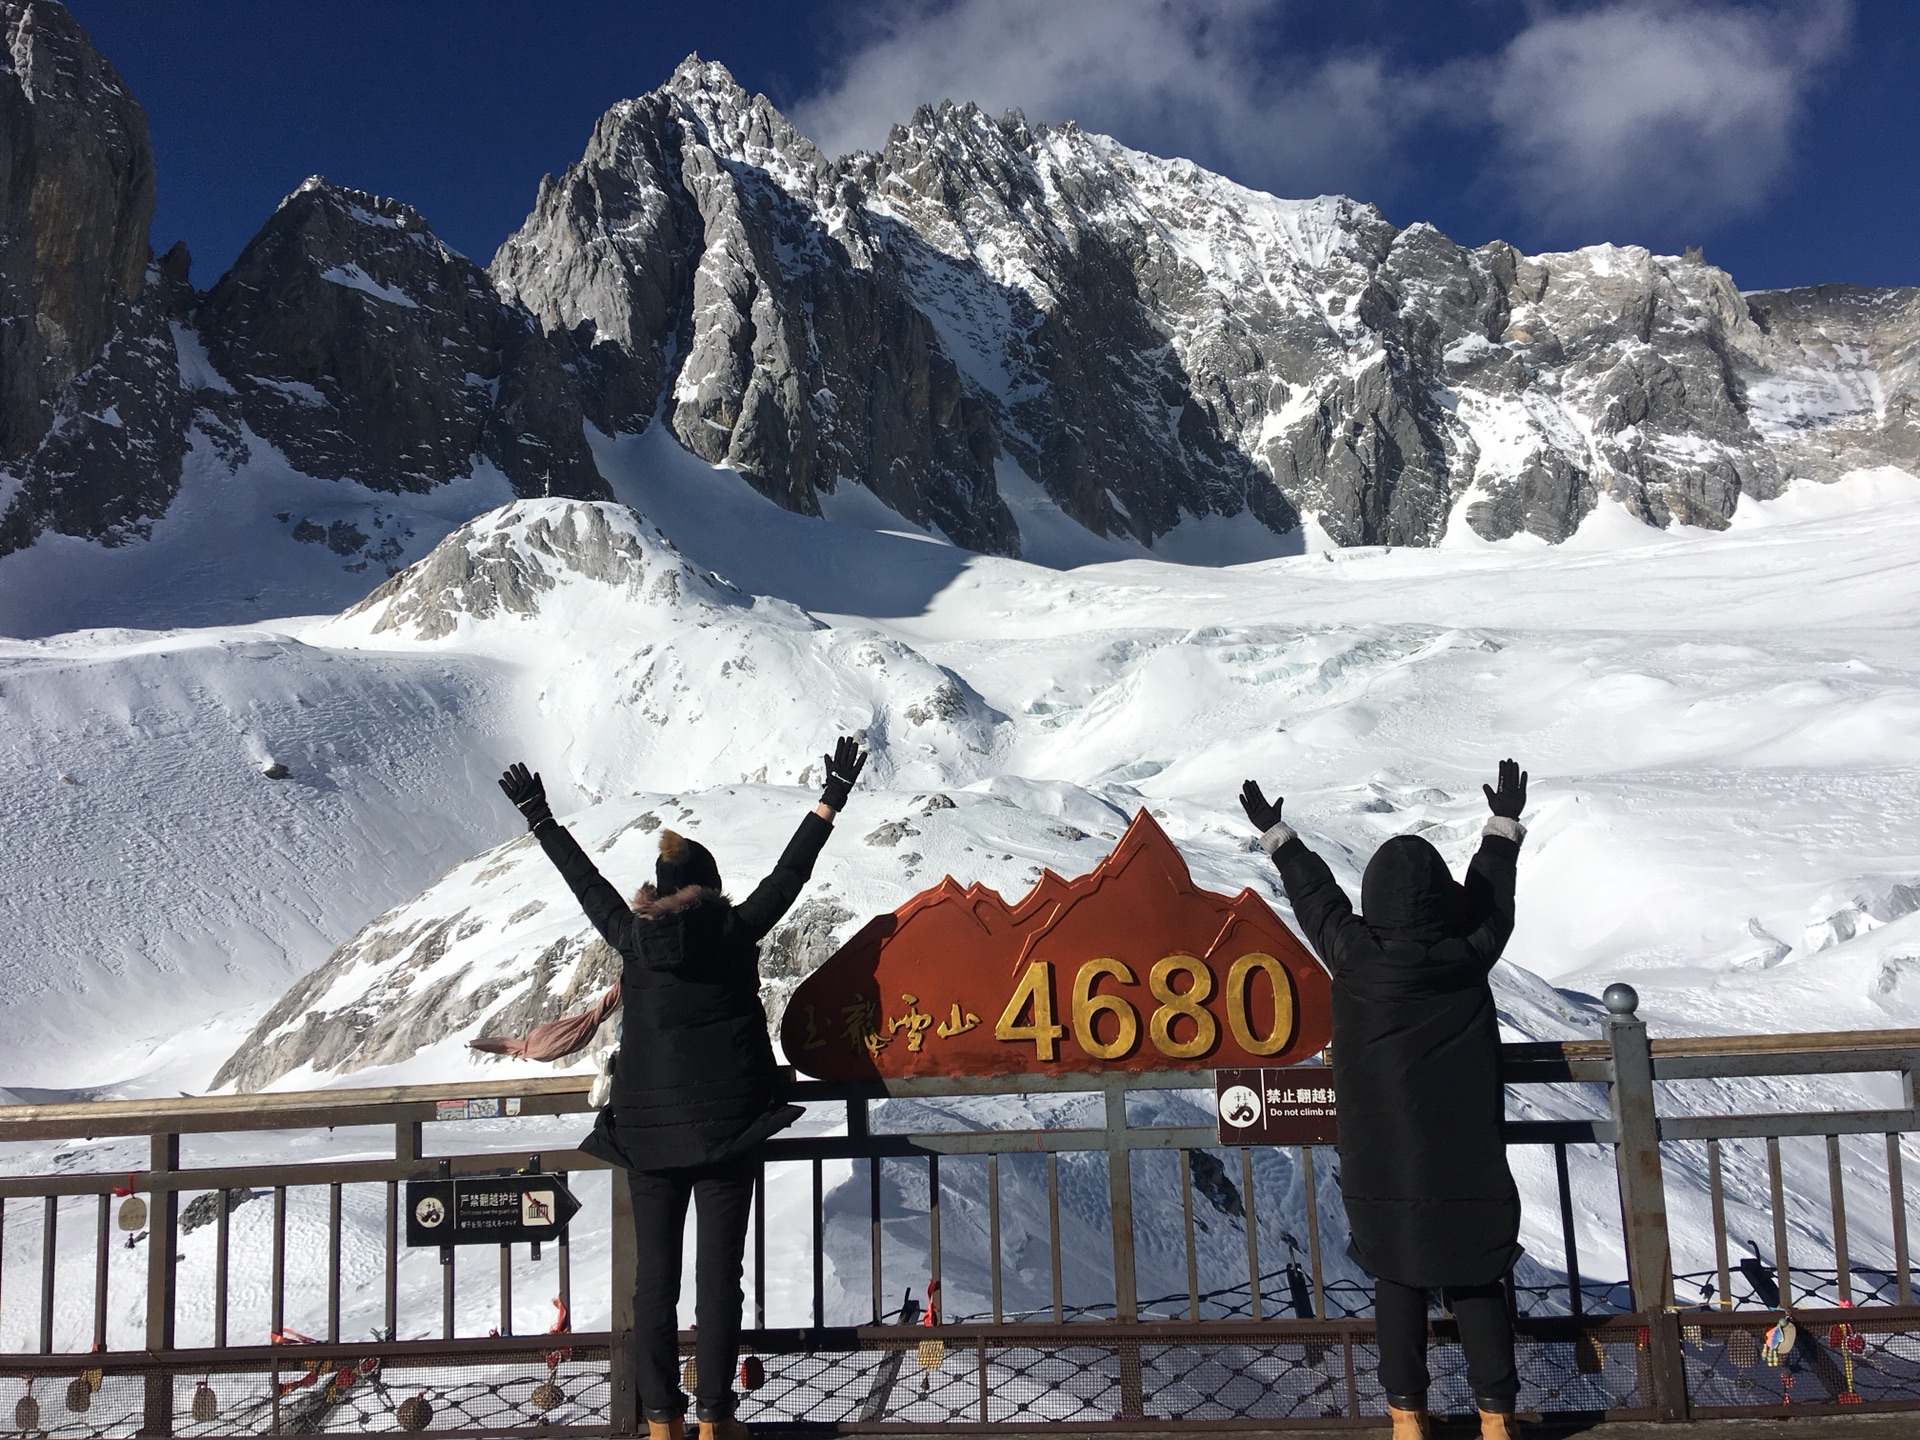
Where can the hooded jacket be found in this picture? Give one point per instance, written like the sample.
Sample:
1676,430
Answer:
1416,1052
694,1082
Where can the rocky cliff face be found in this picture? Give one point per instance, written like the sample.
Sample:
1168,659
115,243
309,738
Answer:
76,195
1145,340
90,424
1150,341
705,250
361,346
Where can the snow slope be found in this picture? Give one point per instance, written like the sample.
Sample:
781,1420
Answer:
1720,728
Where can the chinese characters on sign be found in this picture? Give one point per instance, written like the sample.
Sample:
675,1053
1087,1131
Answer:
1130,967
1275,1107
495,1209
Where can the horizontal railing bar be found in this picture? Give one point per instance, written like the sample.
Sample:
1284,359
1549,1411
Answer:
1873,1319
315,1172
1070,1082
822,1147
1805,1043
295,1357
285,1110
1757,1127
1558,1132
1555,1072
1817,1062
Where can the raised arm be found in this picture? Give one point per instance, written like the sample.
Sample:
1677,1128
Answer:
773,896
1319,904
1492,876
610,914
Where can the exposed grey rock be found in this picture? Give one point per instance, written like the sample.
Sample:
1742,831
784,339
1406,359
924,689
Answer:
1151,342
92,411
809,934
891,833
361,346
76,197
703,244
503,563
1145,340
205,1209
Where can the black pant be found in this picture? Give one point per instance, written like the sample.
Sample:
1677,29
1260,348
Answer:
1486,1334
722,1198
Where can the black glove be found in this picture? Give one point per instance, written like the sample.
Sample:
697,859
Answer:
843,768
1263,815
1511,798
527,793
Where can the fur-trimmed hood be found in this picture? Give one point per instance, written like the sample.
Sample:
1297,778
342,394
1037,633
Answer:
688,897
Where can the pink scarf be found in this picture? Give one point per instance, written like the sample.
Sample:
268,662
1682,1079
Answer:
557,1038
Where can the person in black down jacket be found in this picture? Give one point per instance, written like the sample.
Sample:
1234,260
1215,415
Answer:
694,1083
1416,1068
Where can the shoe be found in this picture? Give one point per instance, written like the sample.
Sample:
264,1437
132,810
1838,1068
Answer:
728,1429
1411,1424
1494,1426
674,1429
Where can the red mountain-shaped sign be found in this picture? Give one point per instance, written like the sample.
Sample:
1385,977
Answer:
1129,967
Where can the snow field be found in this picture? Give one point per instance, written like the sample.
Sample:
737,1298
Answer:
1725,811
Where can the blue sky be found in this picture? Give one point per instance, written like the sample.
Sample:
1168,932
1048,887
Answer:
1777,135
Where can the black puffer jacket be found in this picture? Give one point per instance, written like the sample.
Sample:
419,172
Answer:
1416,1054
694,1081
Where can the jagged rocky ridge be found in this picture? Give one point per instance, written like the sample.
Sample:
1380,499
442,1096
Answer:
1145,340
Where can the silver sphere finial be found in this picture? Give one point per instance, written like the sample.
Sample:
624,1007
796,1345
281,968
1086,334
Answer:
1622,999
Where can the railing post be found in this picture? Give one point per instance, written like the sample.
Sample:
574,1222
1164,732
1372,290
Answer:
1126,1291
1643,1201
163,1247
624,1405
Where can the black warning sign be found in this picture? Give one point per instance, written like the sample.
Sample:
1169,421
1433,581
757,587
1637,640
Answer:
497,1210
1291,1106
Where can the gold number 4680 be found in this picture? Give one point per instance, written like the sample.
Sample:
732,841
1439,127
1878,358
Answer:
1181,1028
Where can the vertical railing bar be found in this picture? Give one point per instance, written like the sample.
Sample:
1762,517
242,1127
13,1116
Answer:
873,1212
565,1266
1253,1232
819,1246
760,1247
449,1263
980,1370
279,1297
222,1261
1053,1233
936,1297
1782,1266
1717,1196
993,1246
103,1238
49,1239
1313,1230
390,1298
163,1250
1186,1224
333,1263
407,1147
1569,1241
623,1405
506,1289
1126,1275
3,1250
1897,1193
1842,1260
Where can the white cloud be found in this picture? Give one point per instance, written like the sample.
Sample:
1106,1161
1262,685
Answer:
1629,112
1173,76
1654,113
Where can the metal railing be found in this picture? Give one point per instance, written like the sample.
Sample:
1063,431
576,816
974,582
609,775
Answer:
1289,1345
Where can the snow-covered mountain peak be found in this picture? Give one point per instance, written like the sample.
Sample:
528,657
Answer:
534,560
